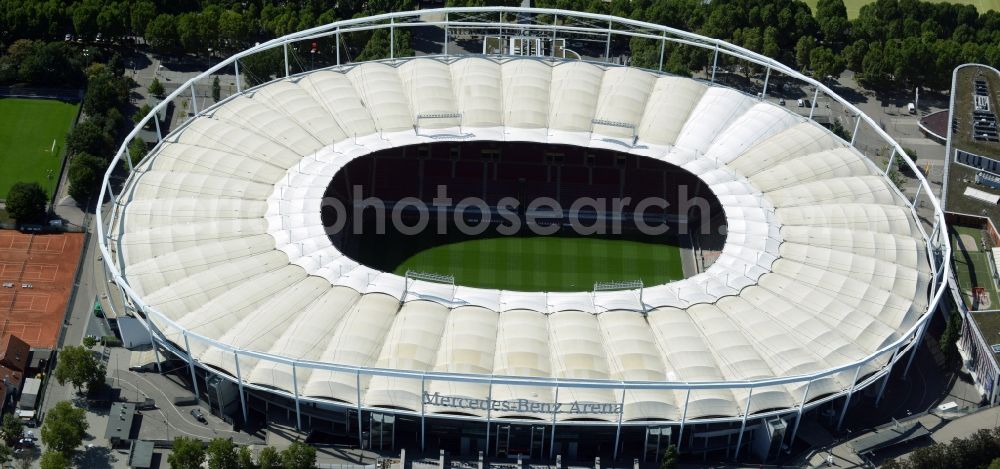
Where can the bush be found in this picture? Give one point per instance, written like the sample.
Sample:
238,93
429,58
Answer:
141,113
111,341
156,88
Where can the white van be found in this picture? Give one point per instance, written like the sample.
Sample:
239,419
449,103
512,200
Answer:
911,108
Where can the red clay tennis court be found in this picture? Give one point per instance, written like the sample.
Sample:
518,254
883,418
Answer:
36,279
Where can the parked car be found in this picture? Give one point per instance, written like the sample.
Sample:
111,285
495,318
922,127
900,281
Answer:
196,413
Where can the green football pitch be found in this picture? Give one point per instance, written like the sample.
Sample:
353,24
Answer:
854,6
28,128
548,263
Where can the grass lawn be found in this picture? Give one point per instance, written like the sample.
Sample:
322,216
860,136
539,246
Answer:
989,325
27,129
548,263
972,265
854,6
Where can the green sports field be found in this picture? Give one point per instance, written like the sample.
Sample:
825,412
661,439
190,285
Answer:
972,264
854,6
548,263
27,129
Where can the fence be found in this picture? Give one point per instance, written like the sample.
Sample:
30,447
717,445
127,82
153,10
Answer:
41,93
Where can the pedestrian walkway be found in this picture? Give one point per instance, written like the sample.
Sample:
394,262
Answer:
943,428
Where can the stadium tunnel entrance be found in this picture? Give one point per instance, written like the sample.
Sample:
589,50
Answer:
452,208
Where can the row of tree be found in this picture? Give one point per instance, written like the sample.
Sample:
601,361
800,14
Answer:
172,27
982,449
221,453
39,63
92,143
891,43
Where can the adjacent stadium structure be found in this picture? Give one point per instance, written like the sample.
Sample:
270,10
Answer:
827,276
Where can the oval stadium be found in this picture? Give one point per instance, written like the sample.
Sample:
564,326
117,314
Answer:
290,247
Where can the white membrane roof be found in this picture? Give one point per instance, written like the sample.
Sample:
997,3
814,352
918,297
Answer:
221,233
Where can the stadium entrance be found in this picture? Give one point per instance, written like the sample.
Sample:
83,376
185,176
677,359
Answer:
522,216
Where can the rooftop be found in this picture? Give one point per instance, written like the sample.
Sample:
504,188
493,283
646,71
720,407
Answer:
140,455
120,420
823,263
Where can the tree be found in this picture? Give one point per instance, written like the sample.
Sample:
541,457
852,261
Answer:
669,460
85,173
838,129
112,20
803,48
875,67
85,20
186,453
161,33
831,15
89,136
156,88
136,151
54,63
233,29
244,458
142,13
216,89
54,460
11,429
824,63
268,458
901,163
190,32
5,455
26,201
117,65
854,54
262,66
949,337
64,427
298,456
770,42
77,365
143,111
105,91
221,454
89,342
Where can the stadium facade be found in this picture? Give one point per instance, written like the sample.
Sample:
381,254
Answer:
826,279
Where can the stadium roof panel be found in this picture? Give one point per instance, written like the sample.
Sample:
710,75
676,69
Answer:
221,233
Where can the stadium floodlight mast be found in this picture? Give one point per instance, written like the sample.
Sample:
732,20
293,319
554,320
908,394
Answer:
164,328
